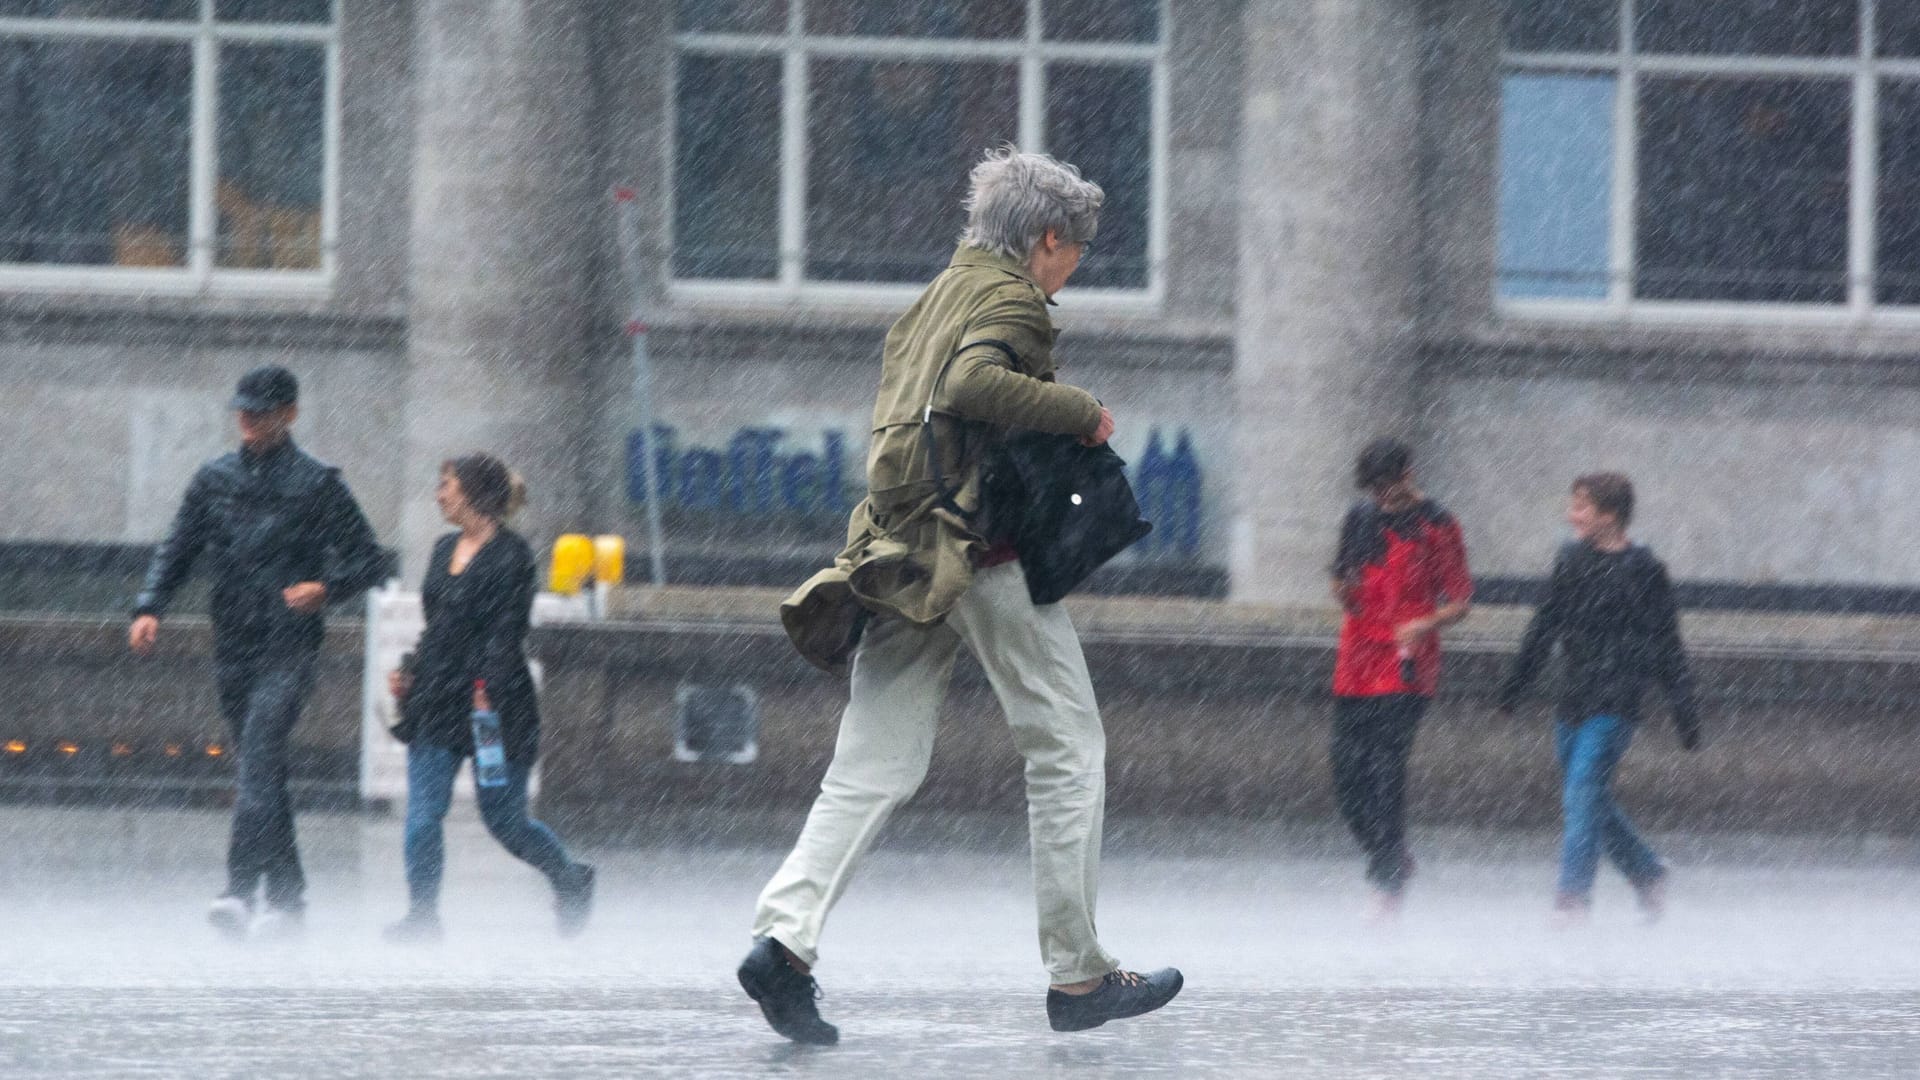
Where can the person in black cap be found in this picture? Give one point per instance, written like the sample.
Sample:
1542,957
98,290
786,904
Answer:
285,539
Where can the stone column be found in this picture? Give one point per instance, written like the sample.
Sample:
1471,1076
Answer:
1325,335
505,227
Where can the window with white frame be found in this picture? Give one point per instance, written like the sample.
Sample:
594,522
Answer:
821,142
1710,152
165,141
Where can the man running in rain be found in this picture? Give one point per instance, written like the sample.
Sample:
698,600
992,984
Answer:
973,354
284,538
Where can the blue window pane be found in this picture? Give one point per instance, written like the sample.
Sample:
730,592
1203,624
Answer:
1556,185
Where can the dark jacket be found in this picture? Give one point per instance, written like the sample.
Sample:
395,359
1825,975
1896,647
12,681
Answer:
265,522
476,629
1613,616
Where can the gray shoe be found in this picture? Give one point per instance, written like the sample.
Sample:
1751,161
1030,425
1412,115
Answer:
277,924
1121,994
231,916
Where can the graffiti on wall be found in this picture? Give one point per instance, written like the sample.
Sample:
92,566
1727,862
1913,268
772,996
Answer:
759,471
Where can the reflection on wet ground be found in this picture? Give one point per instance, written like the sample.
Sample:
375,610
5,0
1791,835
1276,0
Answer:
1790,958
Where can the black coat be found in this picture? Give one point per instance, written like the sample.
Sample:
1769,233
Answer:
476,629
265,522
1613,615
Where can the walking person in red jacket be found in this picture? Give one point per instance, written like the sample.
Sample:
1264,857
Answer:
1401,575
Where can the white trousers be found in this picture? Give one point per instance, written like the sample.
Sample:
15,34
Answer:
1033,661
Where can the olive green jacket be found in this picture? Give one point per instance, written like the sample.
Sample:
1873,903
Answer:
908,555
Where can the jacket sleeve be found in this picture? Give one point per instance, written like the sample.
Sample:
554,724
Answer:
1668,656
1542,634
985,385
506,612
173,559
1456,581
355,562
982,387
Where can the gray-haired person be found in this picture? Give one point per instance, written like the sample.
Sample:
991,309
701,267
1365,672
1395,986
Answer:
924,577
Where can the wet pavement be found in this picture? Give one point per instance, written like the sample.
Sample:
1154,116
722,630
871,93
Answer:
1781,958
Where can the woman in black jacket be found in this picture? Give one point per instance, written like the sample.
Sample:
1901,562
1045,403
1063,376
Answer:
478,599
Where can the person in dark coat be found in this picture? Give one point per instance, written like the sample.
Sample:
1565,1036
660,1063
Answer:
478,599
1610,609
283,539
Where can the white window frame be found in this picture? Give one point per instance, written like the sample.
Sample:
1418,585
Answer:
201,276
795,47
1862,71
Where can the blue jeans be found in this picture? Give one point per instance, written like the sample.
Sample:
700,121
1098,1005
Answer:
1589,751
430,773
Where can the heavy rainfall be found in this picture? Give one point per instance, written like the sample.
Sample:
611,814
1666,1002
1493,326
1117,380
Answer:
520,510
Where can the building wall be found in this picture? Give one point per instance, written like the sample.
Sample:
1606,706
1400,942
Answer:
111,401
1766,449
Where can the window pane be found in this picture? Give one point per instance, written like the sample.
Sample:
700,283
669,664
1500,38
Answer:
272,145
1898,272
274,11
732,16
726,168
1100,117
1101,20
1556,185
889,146
918,18
1743,190
1898,28
1765,27
94,142
1562,26
101,9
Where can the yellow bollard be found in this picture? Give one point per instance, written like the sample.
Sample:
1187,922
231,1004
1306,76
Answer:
609,559
572,563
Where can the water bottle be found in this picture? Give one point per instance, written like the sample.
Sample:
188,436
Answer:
489,751
1409,671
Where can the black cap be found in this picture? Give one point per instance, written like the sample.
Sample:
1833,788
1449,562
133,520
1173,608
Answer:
265,389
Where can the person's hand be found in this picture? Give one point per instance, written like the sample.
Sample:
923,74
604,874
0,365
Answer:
1101,432
398,684
1411,633
306,597
142,634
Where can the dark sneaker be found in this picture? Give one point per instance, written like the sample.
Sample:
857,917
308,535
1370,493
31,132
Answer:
1122,994
232,916
418,928
573,899
786,997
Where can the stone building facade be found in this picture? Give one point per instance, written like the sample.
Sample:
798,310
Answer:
1325,224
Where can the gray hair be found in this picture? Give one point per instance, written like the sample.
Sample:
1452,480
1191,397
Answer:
1014,198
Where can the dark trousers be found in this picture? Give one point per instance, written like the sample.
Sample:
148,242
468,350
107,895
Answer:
262,688
1372,739
430,775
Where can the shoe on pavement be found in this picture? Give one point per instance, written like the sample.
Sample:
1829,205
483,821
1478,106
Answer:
231,915
573,899
786,997
277,924
1121,994
418,928
1569,912
1383,908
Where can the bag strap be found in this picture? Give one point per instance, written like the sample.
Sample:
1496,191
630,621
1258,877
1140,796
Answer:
945,494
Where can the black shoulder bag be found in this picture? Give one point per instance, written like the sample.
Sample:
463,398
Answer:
1066,508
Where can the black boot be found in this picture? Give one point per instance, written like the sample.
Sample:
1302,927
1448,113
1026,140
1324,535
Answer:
573,899
786,997
1121,994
